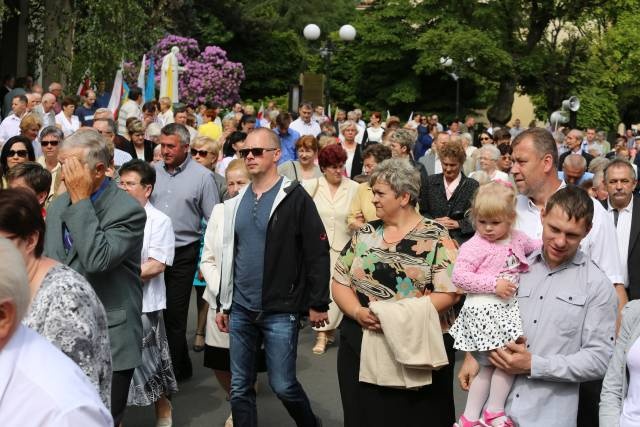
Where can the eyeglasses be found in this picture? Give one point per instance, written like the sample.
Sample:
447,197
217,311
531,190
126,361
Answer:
53,143
202,153
485,138
19,153
255,152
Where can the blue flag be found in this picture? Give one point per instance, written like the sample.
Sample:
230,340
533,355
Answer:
150,89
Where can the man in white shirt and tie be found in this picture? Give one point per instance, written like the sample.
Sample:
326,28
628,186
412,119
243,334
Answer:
620,181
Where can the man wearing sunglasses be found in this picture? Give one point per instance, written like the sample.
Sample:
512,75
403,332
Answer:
275,265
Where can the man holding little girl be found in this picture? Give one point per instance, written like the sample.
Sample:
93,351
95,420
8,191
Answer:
567,304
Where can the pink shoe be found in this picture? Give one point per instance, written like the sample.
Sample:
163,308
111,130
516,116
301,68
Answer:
495,419
464,422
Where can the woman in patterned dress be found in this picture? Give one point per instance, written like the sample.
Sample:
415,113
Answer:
64,307
402,255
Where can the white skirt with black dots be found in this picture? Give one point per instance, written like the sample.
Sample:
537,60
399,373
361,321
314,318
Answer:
486,322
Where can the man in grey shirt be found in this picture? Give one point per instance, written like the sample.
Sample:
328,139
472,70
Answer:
568,310
186,192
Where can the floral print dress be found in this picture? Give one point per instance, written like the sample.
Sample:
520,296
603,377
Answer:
421,263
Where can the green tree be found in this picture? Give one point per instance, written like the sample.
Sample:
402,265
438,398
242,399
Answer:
264,35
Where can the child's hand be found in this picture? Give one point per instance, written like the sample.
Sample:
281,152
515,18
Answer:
505,289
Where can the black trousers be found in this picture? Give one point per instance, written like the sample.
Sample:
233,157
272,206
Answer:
367,405
589,403
179,280
120,382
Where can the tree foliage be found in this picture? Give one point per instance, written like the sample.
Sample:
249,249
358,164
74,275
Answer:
264,35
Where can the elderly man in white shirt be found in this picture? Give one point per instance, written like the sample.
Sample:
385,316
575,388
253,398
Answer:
303,124
39,385
131,108
10,126
155,377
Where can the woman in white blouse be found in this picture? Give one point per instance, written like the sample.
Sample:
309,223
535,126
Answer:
332,194
65,119
488,156
375,130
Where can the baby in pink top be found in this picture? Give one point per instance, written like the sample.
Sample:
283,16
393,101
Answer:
488,268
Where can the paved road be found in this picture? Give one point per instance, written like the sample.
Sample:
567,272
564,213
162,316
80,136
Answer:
202,403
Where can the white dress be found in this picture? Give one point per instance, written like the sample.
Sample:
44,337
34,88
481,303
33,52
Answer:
486,321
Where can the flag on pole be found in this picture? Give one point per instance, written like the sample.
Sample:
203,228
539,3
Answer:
85,85
410,117
141,75
116,93
329,112
335,115
388,115
125,92
261,111
150,89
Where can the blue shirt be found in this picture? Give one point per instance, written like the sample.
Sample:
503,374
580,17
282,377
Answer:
252,219
85,115
287,145
587,176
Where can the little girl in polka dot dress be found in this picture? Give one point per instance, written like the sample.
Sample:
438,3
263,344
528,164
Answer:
487,268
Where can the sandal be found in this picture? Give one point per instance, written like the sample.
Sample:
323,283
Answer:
321,343
198,348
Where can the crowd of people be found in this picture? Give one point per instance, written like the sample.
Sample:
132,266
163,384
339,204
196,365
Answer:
413,240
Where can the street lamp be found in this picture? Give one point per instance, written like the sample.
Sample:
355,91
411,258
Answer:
312,32
448,62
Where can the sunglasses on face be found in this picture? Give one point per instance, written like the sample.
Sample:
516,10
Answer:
19,153
255,152
484,138
53,143
202,153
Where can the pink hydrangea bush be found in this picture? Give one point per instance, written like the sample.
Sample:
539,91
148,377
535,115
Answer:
207,76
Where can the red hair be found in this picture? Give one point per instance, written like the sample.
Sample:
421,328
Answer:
332,155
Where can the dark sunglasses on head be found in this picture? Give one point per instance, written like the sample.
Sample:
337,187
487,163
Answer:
52,143
203,153
256,152
20,153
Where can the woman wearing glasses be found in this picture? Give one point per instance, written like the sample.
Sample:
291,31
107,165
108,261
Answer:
16,150
142,148
205,150
50,139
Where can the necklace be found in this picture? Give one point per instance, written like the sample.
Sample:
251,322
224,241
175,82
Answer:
403,235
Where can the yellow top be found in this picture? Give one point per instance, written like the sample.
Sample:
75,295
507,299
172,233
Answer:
211,129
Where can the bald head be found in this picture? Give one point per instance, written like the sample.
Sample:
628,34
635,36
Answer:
48,101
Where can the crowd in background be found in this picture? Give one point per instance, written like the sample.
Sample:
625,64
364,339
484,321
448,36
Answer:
118,217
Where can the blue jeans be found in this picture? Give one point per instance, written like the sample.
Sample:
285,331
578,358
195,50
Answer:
279,332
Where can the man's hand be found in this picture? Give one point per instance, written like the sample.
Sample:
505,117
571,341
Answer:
505,289
514,359
222,320
318,319
468,371
77,179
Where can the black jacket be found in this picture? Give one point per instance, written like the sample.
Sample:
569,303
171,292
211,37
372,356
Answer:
296,258
457,207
